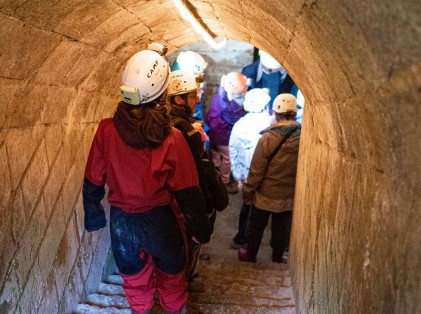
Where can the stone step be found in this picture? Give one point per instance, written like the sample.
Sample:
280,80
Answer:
237,293
223,285
246,273
194,309
93,309
110,289
221,296
114,279
242,269
236,309
252,280
223,260
239,300
226,277
116,301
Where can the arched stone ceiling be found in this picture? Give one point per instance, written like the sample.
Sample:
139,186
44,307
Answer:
335,50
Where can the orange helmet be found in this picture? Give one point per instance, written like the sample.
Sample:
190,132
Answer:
235,83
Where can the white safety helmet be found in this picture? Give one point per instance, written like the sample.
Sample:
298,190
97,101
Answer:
192,62
181,82
285,103
145,76
268,61
256,99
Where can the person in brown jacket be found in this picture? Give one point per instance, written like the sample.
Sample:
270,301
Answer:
271,181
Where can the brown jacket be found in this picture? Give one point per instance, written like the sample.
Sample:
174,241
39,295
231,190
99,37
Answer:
272,185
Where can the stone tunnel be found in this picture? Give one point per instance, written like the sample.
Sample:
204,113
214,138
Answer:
356,225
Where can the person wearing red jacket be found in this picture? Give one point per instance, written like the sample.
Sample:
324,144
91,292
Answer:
152,181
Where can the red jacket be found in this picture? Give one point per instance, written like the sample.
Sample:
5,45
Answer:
139,179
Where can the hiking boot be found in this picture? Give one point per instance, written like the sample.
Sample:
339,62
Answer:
235,245
280,258
285,257
239,239
243,255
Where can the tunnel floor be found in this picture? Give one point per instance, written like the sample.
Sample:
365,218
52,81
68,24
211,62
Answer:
230,286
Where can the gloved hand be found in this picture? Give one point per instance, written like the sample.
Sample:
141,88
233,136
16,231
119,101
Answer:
94,212
192,204
95,222
246,201
248,198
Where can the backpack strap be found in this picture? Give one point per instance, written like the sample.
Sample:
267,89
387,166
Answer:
192,132
177,120
278,147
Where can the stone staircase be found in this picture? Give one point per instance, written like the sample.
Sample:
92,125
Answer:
231,286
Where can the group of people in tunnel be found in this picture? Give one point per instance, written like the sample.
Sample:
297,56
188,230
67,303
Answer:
169,168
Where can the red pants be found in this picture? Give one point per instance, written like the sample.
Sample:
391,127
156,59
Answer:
140,288
150,253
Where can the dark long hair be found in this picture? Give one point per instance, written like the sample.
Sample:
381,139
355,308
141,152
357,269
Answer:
153,123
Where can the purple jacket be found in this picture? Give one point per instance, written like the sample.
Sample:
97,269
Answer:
221,118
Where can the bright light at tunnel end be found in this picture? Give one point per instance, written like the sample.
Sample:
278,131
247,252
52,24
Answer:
187,15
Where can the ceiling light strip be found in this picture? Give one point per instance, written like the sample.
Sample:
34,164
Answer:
187,15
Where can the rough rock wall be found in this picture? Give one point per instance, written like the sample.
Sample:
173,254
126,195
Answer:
355,244
356,226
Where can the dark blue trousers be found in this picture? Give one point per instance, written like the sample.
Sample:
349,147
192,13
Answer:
155,232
